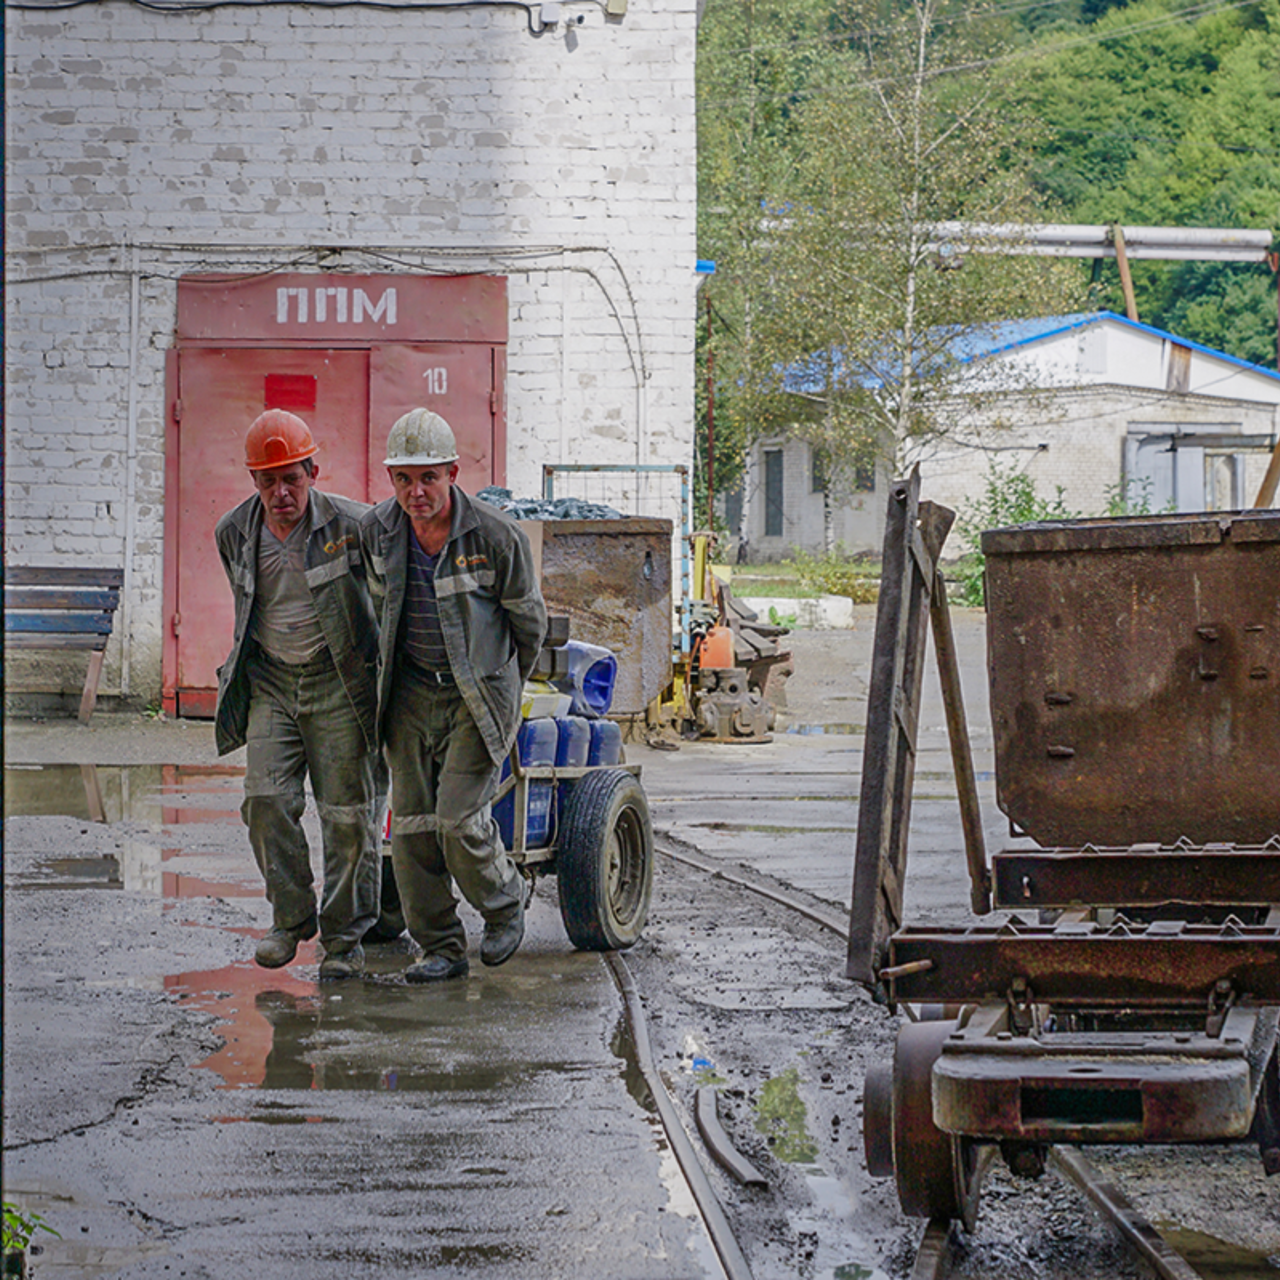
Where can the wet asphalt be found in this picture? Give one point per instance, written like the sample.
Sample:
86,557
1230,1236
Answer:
173,1110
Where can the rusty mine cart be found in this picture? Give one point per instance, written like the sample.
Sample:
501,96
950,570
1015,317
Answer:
1130,990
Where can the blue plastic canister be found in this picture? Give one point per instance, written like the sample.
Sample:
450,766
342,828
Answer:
606,743
592,673
573,744
536,741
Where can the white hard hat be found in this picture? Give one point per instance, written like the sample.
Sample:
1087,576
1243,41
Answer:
420,439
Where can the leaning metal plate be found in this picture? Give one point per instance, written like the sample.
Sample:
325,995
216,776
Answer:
1135,678
914,534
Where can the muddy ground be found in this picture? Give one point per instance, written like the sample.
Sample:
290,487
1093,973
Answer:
176,1114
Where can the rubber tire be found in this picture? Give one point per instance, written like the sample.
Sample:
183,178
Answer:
604,865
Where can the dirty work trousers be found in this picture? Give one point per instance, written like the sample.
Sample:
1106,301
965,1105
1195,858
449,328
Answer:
442,781
302,723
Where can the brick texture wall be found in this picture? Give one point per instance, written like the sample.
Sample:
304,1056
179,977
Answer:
145,145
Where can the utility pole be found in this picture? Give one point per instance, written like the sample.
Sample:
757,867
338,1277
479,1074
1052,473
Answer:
711,424
1126,277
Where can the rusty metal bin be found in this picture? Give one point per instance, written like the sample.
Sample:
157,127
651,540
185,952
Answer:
1135,678
612,578
1129,990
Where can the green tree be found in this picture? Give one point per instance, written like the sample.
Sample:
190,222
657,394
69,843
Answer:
869,306
1166,119
758,63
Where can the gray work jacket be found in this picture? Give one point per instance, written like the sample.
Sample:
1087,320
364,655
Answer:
336,575
491,611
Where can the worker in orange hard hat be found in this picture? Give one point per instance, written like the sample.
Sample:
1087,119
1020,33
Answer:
299,690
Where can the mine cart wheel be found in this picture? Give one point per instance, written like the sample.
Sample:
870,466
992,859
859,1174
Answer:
877,1120
390,923
938,1174
605,861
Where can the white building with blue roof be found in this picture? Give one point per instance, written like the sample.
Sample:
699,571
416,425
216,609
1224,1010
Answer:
1092,403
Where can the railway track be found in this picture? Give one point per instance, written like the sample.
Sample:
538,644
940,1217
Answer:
941,1247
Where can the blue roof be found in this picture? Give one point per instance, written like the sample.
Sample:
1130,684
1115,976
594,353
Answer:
1006,335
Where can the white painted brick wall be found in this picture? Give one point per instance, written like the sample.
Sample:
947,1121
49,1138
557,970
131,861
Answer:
235,139
1085,430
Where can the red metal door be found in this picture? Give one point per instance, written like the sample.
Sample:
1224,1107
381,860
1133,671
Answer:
461,382
218,394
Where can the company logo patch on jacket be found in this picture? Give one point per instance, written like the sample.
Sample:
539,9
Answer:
347,540
470,562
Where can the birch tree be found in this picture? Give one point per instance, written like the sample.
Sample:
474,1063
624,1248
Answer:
870,307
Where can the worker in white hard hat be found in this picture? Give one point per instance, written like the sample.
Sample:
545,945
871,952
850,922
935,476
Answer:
299,689
461,621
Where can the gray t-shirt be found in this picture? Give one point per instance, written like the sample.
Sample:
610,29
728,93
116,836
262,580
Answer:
285,622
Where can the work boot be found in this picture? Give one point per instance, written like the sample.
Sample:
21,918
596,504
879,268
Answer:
436,968
338,965
281,945
500,941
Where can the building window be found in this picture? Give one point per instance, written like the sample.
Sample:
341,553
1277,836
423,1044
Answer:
773,493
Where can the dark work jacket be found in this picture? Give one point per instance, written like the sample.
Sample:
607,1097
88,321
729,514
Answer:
491,611
336,575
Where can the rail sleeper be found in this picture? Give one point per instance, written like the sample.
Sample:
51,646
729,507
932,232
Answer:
63,608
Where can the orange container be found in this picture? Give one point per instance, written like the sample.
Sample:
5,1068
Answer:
716,649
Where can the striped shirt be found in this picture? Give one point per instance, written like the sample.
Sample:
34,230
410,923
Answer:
421,639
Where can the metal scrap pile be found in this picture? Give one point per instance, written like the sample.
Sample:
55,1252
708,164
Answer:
546,508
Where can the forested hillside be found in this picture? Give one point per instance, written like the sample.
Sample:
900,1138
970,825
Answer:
1167,114
830,128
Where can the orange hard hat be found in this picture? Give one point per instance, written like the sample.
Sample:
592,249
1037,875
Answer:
277,438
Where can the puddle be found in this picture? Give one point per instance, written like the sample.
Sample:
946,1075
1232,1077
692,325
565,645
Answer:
831,1249
821,730
828,1248
623,1048
680,1198
781,1116
282,1031
139,866
1215,1259
762,829
80,873
152,794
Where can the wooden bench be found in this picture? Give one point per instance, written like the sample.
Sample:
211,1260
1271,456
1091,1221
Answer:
54,609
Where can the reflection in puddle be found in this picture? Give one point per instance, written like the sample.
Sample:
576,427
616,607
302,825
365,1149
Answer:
680,1198
82,873
282,1031
820,730
781,1116
623,1048
153,794
824,1233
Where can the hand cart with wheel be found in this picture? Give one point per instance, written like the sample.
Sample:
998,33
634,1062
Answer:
601,852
